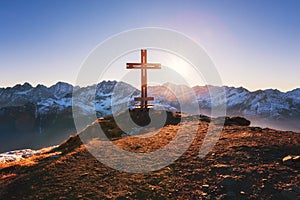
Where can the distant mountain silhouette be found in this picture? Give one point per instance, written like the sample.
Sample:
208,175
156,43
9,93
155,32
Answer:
33,116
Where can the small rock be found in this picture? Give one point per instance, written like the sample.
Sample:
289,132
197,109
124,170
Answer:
287,160
296,160
83,175
137,147
291,160
221,166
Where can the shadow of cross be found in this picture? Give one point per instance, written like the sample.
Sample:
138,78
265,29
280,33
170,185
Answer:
143,66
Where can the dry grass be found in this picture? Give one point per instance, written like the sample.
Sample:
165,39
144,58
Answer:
244,164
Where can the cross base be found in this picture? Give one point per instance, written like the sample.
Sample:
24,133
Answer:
140,116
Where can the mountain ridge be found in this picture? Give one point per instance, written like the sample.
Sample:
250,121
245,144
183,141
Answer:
28,112
63,82
270,103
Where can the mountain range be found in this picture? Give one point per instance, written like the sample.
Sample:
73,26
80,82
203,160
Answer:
39,116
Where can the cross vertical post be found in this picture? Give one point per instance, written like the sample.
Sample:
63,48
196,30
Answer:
143,66
144,78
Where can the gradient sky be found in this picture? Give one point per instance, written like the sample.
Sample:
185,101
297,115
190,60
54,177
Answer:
254,44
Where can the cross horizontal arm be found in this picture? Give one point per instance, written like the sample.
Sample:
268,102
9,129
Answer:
144,98
143,66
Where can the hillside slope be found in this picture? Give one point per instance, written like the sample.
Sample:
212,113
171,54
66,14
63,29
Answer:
246,163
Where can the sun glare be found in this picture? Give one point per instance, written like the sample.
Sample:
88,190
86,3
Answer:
174,69
174,64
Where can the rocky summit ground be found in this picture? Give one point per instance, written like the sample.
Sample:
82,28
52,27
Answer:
246,163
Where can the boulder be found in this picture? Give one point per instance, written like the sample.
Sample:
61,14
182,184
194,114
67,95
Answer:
204,118
238,121
231,121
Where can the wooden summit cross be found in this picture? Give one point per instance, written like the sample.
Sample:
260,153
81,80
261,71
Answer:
143,66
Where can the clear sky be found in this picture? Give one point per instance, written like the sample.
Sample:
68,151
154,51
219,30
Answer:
254,43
